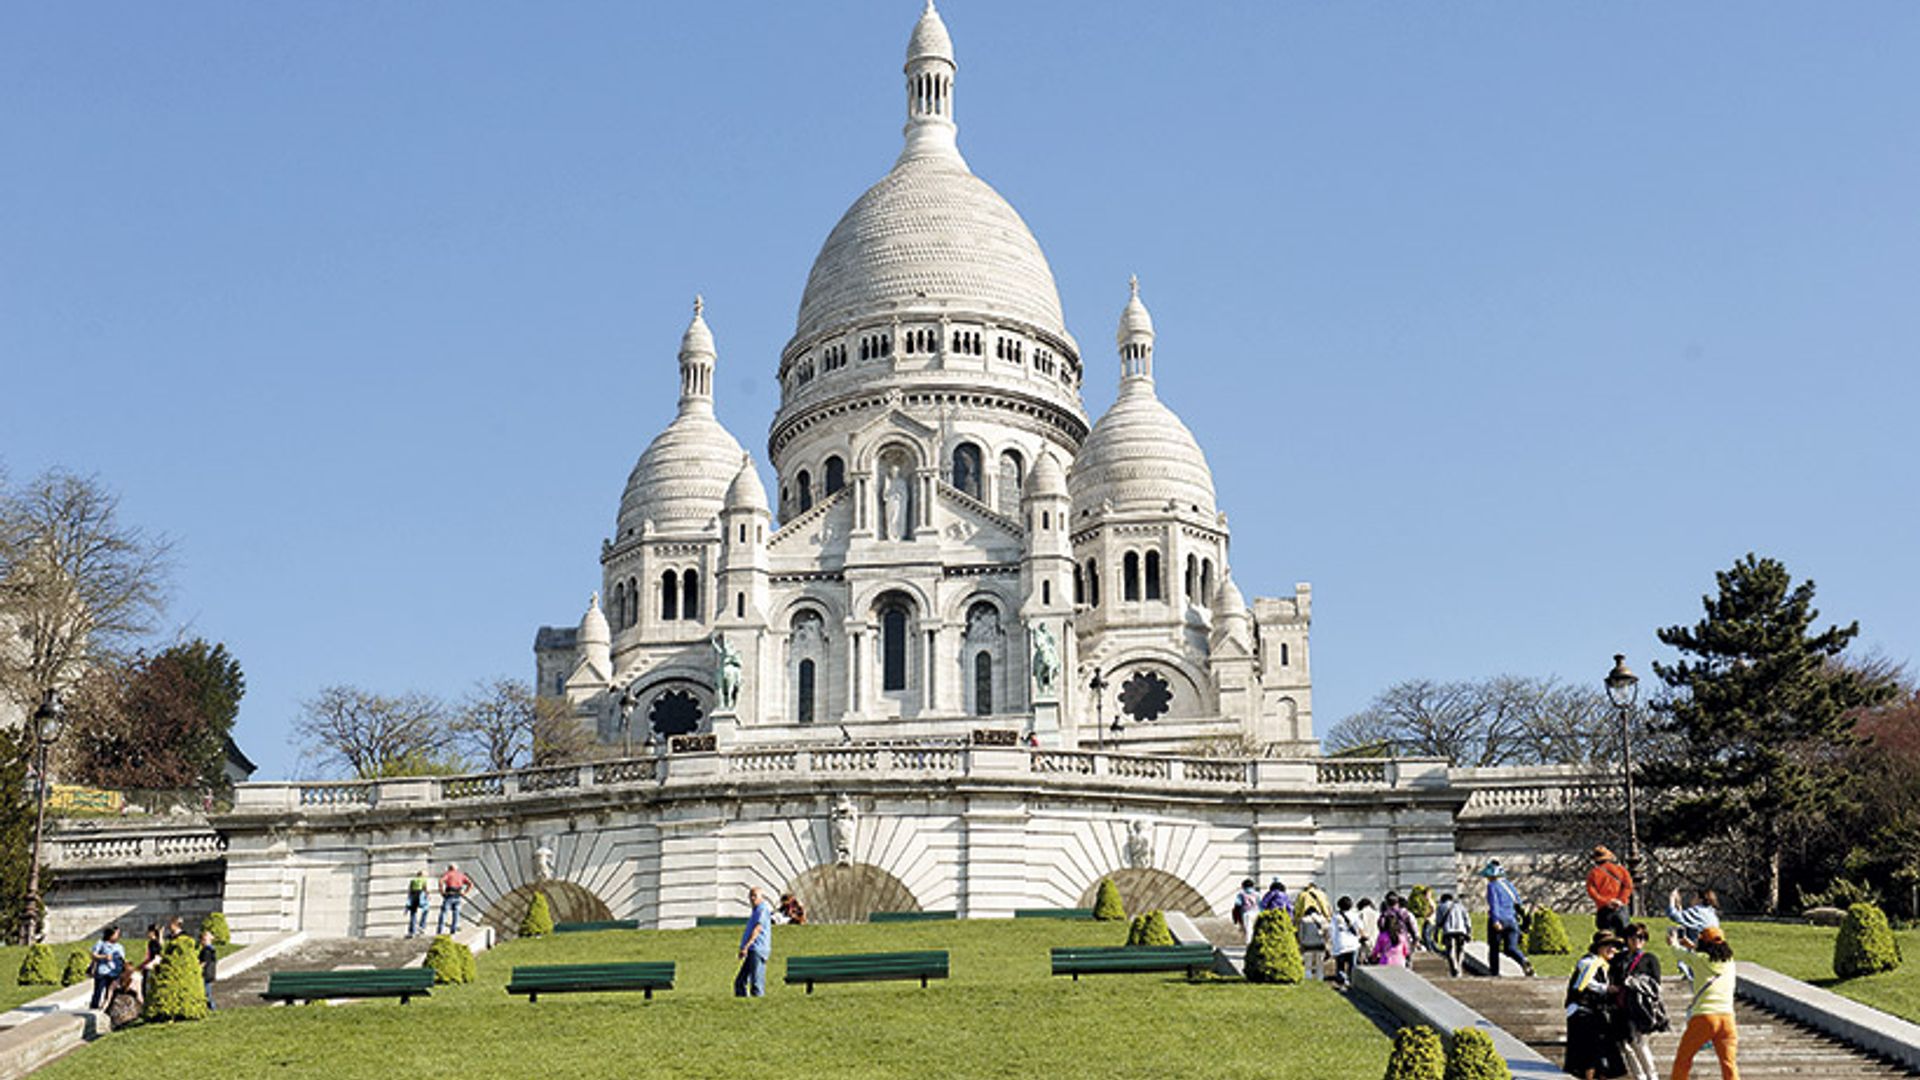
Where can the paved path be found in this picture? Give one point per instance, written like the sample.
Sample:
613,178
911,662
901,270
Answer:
1771,1047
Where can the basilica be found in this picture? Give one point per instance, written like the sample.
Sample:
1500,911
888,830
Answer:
949,545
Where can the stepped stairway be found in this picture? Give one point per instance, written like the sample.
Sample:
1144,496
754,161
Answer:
1771,1046
320,954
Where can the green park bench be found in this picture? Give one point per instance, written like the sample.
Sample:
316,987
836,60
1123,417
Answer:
1131,959
403,983
720,920
1053,913
912,916
589,927
646,976
866,967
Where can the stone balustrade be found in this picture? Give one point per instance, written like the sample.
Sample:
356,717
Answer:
1532,791
156,845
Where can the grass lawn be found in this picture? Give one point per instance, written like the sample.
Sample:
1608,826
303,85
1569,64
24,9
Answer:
1000,1015
1803,952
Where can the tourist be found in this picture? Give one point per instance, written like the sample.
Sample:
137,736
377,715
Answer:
1393,943
756,945
1246,908
1710,1015
1456,929
1638,1010
123,1006
1592,1051
1312,935
1609,886
1276,898
1343,942
453,889
1312,899
175,928
209,960
156,948
1503,919
1689,921
417,903
791,910
1369,919
109,963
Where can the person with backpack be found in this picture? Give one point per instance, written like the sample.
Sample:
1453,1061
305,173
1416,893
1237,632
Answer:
109,962
1455,924
1312,899
1710,1012
1393,945
1343,942
417,903
1277,899
1368,917
1610,888
1503,919
1638,1010
1246,908
1592,1050
1312,935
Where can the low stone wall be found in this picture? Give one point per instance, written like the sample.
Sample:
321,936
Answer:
1824,1011
36,1042
1415,1001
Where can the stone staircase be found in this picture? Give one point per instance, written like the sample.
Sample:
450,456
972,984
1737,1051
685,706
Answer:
1770,1045
320,954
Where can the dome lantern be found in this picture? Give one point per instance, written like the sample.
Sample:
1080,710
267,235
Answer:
697,357
1135,337
930,128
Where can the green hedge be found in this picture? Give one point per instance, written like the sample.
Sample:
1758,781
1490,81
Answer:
37,968
1274,954
539,920
1865,944
217,924
177,992
1417,1055
1472,1057
451,961
1106,903
1547,935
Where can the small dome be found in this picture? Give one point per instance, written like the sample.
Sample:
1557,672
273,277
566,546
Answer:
1135,323
930,40
746,492
1139,456
593,625
681,479
1046,477
698,340
1227,600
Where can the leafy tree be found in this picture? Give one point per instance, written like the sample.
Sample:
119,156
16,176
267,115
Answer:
17,811
1761,715
373,736
160,722
495,724
1273,956
1878,830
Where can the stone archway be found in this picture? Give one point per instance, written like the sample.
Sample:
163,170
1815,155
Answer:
1150,890
567,901
848,894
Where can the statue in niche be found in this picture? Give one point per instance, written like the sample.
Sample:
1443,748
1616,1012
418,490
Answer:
893,504
543,860
842,825
983,623
1046,659
726,671
1139,845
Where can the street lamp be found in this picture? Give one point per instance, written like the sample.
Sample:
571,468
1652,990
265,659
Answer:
1099,685
46,729
1623,688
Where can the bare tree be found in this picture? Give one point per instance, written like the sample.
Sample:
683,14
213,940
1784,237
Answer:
1504,720
558,735
77,586
374,736
496,724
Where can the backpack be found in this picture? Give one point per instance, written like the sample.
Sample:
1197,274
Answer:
1640,1000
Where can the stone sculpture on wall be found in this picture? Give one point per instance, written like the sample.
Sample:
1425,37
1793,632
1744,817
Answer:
893,501
726,673
1046,660
1139,846
543,860
842,826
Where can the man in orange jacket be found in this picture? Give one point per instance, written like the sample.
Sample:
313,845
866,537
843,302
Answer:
1610,887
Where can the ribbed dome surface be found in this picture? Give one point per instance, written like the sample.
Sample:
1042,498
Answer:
930,237
1139,456
681,479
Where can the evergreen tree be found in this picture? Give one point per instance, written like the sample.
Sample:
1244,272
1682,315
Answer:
1760,714
76,969
1154,931
1547,935
1417,1055
178,992
1472,1057
16,830
539,920
1274,954
37,967
1106,903
1865,944
216,924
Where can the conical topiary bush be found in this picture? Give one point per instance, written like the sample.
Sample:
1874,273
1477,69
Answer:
216,924
1865,945
1472,1057
451,961
37,968
1153,929
539,920
1106,903
1137,931
177,991
1417,1055
1274,954
76,969
1547,935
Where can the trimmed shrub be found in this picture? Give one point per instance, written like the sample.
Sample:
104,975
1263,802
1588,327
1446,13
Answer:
1153,929
177,991
451,961
1547,935
1420,902
539,920
37,967
1417,1054
76,969
217,924
1137,931
1472,1057
1106,903
1274,954
1864,946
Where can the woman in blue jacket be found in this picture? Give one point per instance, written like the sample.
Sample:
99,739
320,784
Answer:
1503,919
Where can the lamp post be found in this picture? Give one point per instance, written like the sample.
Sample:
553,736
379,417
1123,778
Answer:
1098,684
46,730
1623,688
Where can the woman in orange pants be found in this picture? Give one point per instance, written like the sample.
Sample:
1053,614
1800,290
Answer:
1710,1013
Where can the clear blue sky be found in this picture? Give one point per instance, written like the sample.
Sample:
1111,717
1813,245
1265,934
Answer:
1506,325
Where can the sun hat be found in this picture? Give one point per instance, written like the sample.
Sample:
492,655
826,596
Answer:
1493,869
1712,936
1602,853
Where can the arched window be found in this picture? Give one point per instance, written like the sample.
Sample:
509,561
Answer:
1093,583
1193,570
1046,592
803,708
620,607
1130,576
1283,654
1012,473
805,483
739,605
690,595
1153,575
669,596
1206,581
836,475
893,646
983,683
966,469
1079,586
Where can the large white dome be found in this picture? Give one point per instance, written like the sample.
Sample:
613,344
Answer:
931,238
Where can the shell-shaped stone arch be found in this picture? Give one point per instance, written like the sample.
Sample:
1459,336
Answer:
1146,889
833,893
1070,857
907,848
567,901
